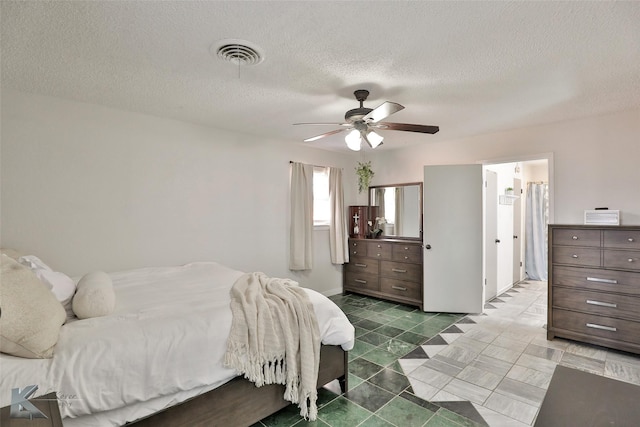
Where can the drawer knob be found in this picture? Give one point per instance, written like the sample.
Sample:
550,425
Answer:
364,282
599,280
630,260
604,328
575,237
574,256
406,257
398,288
397,270
630,239
602,304
406,248
379,246
361,265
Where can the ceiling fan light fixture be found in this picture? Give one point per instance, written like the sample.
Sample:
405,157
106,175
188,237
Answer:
375,139
353,140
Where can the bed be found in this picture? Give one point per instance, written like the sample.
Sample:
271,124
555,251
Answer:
157,358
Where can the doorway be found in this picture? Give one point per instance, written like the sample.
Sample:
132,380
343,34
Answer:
506,226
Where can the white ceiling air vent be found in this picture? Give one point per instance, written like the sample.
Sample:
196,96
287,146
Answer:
239,52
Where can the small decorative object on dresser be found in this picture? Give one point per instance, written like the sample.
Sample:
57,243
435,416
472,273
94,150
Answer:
358,220
389,269
594,285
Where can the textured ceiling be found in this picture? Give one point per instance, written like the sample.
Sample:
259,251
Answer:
469,67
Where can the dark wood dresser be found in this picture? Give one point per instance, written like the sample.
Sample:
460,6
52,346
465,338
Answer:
594,285
385,268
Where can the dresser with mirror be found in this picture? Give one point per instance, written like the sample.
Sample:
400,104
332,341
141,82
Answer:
386,261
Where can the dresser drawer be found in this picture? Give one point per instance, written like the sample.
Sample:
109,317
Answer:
576,237
589,257
597,326
355,281
362,265
624,239
401,288
627,260
601,303
357,248
401,271
407,253
597,279
379,250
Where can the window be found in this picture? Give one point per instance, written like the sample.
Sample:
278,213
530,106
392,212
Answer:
321,206
390,205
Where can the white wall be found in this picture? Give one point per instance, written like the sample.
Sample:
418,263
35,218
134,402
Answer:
595,161
88,188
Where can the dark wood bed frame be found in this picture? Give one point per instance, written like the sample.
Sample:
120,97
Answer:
240,403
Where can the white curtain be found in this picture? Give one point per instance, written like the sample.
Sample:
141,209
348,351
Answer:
379,195
301,232
399,211
337,223
536,219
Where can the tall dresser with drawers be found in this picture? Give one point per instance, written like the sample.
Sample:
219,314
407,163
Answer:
389,269
594,285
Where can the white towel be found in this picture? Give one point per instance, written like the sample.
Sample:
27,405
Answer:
275,338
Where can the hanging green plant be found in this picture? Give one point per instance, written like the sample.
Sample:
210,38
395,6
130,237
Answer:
364,175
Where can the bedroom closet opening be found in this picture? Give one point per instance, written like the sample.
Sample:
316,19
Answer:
516,217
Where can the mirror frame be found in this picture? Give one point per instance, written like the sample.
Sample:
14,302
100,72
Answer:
420,204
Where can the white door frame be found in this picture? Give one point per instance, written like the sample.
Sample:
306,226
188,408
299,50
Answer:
520,159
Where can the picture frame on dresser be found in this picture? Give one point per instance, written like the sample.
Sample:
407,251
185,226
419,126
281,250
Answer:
594,285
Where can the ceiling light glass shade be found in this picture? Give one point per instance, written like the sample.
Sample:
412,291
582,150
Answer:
353,140
374,139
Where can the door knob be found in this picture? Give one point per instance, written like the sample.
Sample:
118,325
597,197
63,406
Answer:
515,237
497,240
427,246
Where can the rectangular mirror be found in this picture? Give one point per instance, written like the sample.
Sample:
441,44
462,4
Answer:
401,207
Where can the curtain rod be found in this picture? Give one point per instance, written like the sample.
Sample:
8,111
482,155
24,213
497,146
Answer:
316,166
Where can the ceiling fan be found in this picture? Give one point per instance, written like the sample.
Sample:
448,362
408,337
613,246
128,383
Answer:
362,122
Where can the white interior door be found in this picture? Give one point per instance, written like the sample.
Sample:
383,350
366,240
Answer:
453,243
491,235
517,231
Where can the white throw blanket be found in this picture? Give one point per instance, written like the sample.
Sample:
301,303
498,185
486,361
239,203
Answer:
274,338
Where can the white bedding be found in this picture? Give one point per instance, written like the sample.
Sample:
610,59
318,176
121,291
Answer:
161,345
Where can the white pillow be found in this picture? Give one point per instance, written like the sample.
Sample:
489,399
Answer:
31,317
95,296
61,285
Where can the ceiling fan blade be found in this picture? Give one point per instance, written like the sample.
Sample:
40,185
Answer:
383,111
317,137
408,127
323,124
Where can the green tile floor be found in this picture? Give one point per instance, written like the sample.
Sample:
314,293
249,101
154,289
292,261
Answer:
379,393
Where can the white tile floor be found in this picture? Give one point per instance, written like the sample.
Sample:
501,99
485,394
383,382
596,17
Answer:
503,363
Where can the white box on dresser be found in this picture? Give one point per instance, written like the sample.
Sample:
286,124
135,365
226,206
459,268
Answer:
594,285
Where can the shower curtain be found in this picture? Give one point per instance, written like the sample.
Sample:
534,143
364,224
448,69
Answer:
536,219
